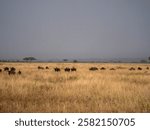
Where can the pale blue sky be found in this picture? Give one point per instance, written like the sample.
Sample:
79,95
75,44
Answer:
58,29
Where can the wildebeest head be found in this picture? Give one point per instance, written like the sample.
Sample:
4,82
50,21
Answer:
147,68
0,70
93,68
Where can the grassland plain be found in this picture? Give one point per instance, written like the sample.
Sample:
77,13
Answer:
45,90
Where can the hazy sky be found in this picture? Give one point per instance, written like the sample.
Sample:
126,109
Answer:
58,29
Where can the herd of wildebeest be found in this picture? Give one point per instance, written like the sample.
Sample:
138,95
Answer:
56,69
13,70
67,69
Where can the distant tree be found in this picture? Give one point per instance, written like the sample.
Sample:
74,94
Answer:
29,59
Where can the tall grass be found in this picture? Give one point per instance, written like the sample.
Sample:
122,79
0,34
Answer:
107,90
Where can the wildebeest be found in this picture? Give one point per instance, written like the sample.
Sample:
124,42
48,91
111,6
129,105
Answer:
73,69
6,69
39,67
147,68
112,69
11,72
57,69
93,68
12,69
0,70
139,68
102,68
67,69
46,67
132,68
19,72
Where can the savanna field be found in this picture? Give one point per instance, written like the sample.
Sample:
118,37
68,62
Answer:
44,90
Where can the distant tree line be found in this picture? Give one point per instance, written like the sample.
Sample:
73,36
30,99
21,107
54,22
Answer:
30,59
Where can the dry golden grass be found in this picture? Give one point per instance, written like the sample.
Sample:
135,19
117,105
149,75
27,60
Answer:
107,90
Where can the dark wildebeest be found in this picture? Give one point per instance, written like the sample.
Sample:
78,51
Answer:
0,70
102,68
39,67
73,69
112,69
57,69
132,68
11,72
6,69
19,72
93,68
67,69
139,68
147,68
46,67
12,69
